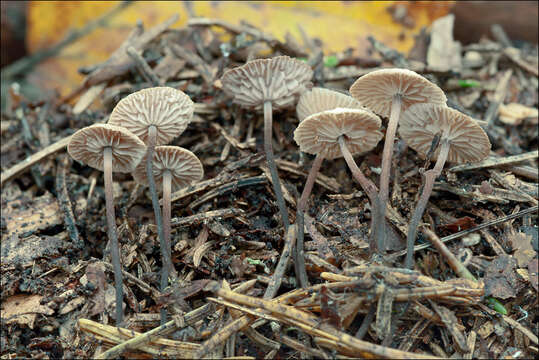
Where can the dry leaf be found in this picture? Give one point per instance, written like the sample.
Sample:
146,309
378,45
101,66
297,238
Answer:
522,243
23,309
486,329
501,280
50,21
95,273
514,113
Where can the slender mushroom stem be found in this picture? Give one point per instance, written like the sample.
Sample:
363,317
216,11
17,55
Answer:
299,263
113,233
167,184
152,137
367,185
429,177
268,148
383,195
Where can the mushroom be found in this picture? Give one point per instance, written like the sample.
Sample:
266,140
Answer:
448,135
176,168
109,148
387,92
329,135
268,84
320,99
156,115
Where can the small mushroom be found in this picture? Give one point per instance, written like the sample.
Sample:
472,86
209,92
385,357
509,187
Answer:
387,92
176,168
320,99
448,135
329,135
156,115
268,84
109,148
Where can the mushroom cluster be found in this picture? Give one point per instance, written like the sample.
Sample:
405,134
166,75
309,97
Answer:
332,125
138,123
428,126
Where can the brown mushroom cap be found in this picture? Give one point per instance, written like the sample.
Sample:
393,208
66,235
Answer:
280,80
88,144
170,110
319,133
184,166
421,122
320,99
376,90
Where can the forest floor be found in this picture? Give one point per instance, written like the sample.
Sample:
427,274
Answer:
57,293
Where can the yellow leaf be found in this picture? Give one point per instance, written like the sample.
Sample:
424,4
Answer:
338,24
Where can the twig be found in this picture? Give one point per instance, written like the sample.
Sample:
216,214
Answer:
280,269
452,260
119,62
230,187
491,162
514,55
32,159
474,229
65,203
499,96
258,35
141,339
311,324
141,284
198,218
142,66
25,64
194,60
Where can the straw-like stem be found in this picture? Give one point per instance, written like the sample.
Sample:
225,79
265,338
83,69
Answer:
268,148
379,229
299,263
152,137
167,185
429,178
113,233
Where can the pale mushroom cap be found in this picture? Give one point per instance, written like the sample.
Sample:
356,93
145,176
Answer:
280,80
421,122
376,90
184,166
320,99
88,144
170,110
319,133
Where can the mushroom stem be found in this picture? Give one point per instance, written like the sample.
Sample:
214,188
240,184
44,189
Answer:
383,195
152,137
113,233
367,185
268,148
429,177
167,181
299,264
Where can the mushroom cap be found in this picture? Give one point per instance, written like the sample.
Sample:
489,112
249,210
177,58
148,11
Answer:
376,90
170,110
184,166
319,133
421,122
88,144
280,80
320,99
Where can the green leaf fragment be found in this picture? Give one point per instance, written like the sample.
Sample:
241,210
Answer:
466,83
330,61
254,261
497,306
